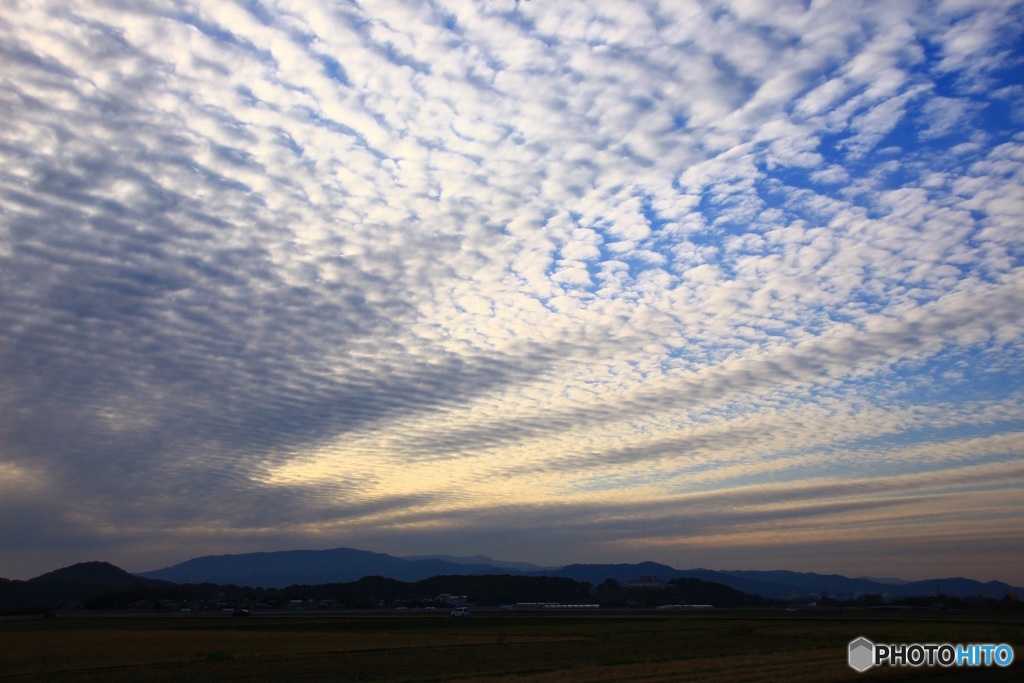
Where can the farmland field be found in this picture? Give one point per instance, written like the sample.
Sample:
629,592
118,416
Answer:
755,645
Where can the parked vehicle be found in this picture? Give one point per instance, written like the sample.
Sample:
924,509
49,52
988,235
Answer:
460,612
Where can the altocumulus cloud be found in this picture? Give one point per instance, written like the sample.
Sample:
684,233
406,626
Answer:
723,281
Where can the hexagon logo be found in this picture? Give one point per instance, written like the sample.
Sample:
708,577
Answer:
862,654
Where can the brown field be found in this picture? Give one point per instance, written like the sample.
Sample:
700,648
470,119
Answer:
762,645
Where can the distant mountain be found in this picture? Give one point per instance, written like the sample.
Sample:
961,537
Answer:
310,567
785,584
288,567
482,560
958,586
69,584
887,579
99,574
344,565
597,573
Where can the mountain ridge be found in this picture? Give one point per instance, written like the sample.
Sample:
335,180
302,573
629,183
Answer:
481,560
94,582
288,567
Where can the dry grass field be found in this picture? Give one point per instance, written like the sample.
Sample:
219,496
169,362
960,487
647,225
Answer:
761,645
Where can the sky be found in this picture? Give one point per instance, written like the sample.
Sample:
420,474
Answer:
734,285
